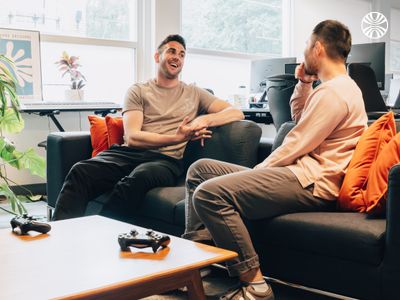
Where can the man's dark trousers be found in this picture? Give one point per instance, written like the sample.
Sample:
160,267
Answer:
128,174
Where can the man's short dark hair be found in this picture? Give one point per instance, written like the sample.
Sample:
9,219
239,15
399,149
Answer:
172,38
336,38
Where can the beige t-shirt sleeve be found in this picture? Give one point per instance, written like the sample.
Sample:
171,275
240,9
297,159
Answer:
205,100
133,99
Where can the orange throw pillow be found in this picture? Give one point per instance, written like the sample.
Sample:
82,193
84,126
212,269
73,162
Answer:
377,185
115,130
98,134
351,195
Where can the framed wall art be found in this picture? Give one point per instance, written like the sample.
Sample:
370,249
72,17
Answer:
23,48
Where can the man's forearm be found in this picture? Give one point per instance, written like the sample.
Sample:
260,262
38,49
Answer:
150,140
298,99
225,116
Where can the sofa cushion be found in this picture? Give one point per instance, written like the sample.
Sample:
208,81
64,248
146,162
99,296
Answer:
98,134
115,130
351,194
160,203
378,177
351,236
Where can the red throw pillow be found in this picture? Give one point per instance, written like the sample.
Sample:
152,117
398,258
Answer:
115,130
351,195
377,185
98,134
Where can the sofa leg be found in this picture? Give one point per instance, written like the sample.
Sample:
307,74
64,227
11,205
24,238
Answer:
49,213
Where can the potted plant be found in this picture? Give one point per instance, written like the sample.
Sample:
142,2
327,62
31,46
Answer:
70,65
12,122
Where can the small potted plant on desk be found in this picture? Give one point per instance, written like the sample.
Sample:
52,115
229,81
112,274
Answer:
12,122
69,65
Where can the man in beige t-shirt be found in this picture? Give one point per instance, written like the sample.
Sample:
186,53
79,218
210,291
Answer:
304,174
160,117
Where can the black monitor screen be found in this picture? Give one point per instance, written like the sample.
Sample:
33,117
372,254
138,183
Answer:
373,53
290,68
263,68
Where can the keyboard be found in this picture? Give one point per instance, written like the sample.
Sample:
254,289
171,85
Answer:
71,106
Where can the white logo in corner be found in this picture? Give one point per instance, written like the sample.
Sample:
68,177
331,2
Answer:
374,25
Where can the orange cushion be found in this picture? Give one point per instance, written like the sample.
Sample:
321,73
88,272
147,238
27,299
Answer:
377,185
115,130
98,134
351,196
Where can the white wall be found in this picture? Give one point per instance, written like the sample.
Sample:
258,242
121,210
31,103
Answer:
308,13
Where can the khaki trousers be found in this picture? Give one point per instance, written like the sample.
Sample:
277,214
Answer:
219,195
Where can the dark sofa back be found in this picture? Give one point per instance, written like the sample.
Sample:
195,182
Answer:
236,142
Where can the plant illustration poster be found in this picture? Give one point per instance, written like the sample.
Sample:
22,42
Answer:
23,48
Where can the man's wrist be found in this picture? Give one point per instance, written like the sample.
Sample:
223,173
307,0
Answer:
305,82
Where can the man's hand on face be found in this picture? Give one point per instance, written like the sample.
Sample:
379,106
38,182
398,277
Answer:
300,73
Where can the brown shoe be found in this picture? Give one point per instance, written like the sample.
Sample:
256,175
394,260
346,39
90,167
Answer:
247,292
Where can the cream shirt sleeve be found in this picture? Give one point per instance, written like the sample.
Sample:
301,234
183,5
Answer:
300,94
322,113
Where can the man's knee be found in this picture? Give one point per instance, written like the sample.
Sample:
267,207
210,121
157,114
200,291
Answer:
196,169
153,174
207,196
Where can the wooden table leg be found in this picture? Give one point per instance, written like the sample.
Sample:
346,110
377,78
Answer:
195,286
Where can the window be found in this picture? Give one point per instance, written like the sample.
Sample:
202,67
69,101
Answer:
102,33
395,56
224,35
245,26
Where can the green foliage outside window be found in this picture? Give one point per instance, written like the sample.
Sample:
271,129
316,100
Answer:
246,26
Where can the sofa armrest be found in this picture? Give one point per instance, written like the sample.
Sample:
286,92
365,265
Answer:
64,149
236,142
390,270
264,148
393,208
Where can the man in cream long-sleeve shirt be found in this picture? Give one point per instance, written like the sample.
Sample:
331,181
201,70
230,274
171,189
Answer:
303,174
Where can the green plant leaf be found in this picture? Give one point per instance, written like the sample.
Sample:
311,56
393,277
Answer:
16,204
31,161
11,122
7,152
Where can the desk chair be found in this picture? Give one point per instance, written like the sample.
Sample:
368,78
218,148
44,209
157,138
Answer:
365,78
279,97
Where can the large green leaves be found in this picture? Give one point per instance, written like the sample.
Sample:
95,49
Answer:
31,161
16,204
11,122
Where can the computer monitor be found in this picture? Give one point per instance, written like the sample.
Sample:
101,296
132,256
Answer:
290,68
373,53
263,68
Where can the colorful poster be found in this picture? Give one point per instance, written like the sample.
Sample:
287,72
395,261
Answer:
23,48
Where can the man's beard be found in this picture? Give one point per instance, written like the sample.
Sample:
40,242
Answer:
310,69
168,74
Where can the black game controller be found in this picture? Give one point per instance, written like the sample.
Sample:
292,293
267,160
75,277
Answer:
137,240
27,223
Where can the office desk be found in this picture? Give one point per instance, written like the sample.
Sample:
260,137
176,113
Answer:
51,109
258,115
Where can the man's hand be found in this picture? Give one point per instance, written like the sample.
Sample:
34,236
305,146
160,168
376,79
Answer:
184,131
300,73
202,135
187,131
200,122
200,125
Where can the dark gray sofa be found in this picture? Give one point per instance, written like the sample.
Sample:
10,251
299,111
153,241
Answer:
348,254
